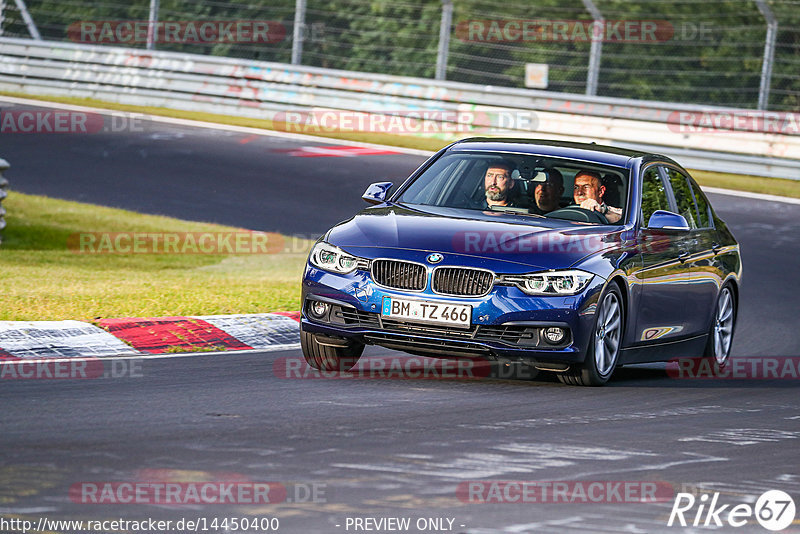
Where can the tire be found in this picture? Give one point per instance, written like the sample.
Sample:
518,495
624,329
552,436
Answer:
326,358
602,354
723,324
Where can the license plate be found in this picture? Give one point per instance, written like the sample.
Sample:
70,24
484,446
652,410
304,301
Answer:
446,313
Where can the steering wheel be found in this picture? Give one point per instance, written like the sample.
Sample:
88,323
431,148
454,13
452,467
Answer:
576,213
469,201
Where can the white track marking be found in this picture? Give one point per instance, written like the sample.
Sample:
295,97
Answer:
213,125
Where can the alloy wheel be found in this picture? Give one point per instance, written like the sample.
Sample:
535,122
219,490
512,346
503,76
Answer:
723,327
607,335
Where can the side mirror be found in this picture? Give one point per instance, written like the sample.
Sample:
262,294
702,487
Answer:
377,192
666,220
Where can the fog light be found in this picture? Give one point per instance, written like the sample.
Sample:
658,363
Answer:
318,309
554,335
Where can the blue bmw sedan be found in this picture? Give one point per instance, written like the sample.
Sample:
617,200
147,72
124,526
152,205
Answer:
566,257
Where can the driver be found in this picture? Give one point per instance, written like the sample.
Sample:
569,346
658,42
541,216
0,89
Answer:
499,185
589,193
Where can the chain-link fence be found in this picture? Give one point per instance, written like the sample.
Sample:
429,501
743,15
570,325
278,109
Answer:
741,53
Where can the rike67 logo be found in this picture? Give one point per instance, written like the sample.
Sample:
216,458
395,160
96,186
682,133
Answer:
774,510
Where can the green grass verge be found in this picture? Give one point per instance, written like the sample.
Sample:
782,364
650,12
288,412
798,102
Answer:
43,279
740,182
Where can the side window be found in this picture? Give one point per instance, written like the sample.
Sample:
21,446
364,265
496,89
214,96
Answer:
431,190
683,197
654,196
703,209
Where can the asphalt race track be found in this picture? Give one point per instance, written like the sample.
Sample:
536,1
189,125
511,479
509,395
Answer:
380,448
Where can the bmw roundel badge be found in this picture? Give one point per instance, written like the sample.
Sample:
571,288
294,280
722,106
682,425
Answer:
435,258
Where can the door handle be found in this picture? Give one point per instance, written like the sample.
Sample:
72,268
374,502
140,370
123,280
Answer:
716,247
683,256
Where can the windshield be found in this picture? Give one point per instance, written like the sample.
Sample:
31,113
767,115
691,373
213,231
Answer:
532,185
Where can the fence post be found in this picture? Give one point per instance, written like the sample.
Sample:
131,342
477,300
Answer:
299,31
152,22
769,54
444,39
598,31
3,193
23,10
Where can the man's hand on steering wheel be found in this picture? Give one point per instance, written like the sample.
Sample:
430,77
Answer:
591,205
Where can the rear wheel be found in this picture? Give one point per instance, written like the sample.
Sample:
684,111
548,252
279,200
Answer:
603,351
328,357
721,333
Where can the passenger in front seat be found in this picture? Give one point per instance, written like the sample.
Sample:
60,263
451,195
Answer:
548,193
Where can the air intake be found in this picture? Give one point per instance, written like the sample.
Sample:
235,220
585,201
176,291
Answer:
462,282
399,274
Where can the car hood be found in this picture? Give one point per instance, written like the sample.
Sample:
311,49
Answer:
539,243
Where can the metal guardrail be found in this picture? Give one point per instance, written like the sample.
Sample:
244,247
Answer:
4,166
265,90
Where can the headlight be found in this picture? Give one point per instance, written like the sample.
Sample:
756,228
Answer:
569,282
330,258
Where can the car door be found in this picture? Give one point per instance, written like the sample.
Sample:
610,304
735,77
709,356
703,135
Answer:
697,246
664,276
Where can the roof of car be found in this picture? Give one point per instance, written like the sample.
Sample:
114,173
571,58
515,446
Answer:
608,155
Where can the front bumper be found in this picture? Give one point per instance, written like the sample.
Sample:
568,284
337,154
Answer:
506,323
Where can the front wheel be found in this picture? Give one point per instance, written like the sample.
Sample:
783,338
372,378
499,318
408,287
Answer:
721,332
603,351
328,357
